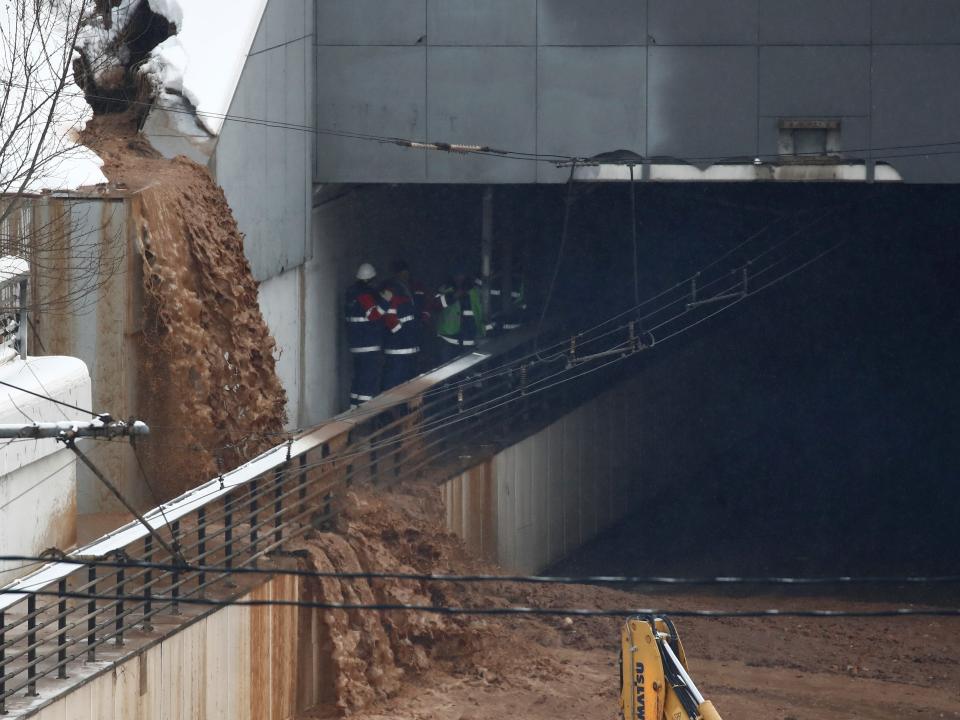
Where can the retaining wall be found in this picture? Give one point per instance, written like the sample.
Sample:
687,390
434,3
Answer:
536,502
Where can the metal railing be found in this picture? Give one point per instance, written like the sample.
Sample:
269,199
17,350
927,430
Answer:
14,278
436,426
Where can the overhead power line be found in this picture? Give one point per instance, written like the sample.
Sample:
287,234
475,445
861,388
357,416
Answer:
47,397
509,610
920,149
520,579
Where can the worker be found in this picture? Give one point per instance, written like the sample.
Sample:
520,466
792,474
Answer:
401,273
365,312
401,343
512,317
461,322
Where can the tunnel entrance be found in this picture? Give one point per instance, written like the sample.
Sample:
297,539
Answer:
809,430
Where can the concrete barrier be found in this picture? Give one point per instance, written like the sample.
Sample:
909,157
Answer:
539,500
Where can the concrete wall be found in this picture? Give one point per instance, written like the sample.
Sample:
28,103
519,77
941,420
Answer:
264,167
536,502
86,291
265,171
694,79
231,664
38,478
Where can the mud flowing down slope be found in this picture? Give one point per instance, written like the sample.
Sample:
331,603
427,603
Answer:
207,377
415,666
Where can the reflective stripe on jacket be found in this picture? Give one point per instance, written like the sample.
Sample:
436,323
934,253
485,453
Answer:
403,335
460,323
364,316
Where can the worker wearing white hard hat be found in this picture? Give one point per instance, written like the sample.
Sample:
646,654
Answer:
366,271
365,311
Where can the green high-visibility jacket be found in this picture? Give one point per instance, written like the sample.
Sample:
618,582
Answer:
460,321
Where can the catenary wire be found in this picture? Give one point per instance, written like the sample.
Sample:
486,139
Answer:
541,385
47,397
510,154
509,610
514,396
519,579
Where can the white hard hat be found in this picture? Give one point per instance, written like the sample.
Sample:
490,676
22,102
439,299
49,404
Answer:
366,272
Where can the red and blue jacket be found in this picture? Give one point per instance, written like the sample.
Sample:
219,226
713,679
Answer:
401,320
365,316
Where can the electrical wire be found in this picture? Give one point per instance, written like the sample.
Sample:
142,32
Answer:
540,385
559,262
47,397
518,154
153,494
633,232
491,610
519,579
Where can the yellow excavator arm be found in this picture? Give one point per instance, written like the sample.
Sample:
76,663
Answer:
654,683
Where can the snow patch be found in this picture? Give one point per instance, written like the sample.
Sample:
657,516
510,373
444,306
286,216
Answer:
203,61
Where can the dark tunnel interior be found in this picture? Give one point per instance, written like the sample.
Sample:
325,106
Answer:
812,428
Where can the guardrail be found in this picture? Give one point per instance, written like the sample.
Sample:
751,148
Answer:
437,424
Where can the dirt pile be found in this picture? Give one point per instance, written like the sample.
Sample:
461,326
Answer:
371,653
406,666
207,374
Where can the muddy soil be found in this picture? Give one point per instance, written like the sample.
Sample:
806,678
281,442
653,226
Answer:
206,369
403,666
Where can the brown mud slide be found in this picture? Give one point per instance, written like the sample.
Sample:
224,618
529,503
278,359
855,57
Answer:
207,376
408,665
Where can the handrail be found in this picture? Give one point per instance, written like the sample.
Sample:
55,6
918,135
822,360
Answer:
216,488
287,491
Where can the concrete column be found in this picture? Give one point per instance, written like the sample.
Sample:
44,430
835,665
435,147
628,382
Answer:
486,246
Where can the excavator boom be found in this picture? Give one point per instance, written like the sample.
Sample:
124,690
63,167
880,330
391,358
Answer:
654,682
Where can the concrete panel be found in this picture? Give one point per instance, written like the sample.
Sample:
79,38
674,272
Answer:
916,100
813,22
481,96
371,22
265,171
572,482
504,476
703,102
375,90
126,691
578,116
281,303
217,665
539,483
205,670
814,81
916,21
93,316
491,22
711,22
601,22
554,493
